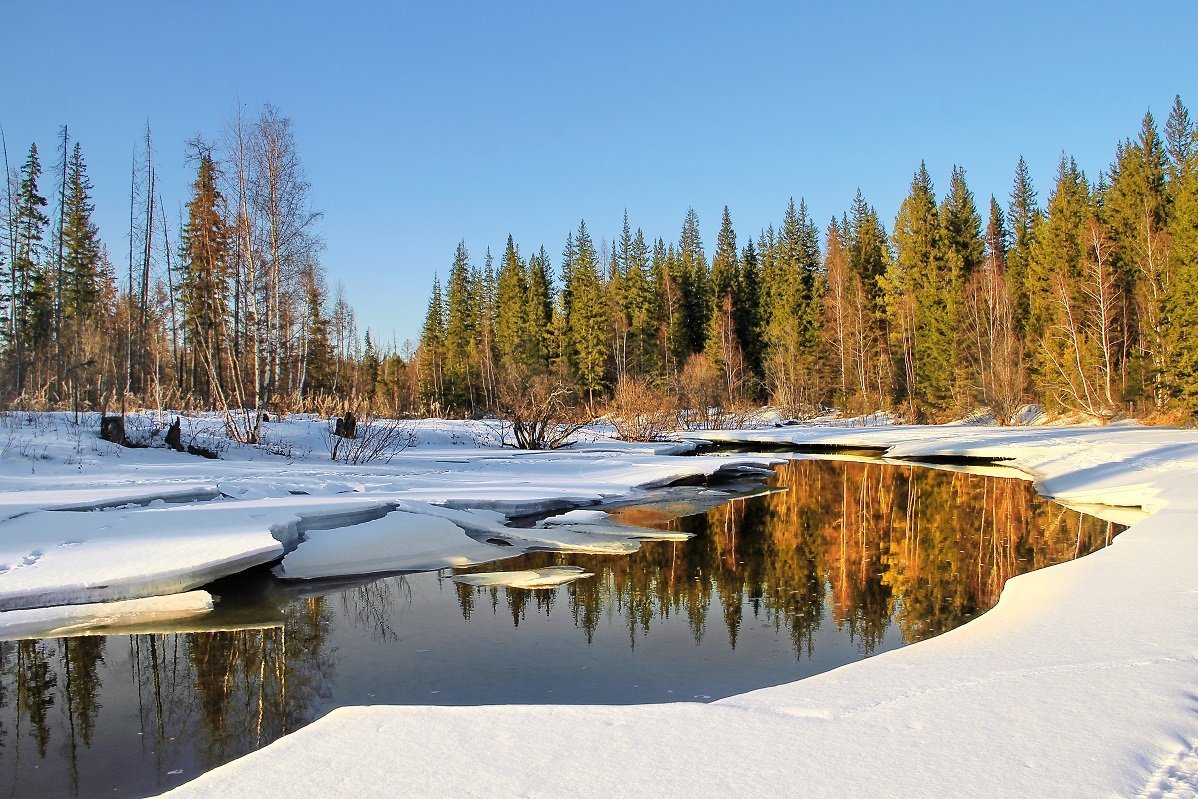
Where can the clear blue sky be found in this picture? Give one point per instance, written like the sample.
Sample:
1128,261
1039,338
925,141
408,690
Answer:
421,124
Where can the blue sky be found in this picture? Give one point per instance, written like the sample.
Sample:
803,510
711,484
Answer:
422,124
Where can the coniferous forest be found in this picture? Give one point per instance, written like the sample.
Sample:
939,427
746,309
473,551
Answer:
1081,296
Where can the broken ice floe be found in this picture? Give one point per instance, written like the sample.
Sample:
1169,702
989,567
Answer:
399,541
548,577
103,617
598,523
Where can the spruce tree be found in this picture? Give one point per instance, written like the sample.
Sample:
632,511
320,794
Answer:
537,331
1074,300
918,300
206,264
1023,214
1182,298
318,363
641,306
961,253
722,345
1135,210
461,354
747,310
83,277
693,278
431,358
587,321
510,308
30,296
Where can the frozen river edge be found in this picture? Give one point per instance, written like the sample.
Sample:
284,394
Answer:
1081,682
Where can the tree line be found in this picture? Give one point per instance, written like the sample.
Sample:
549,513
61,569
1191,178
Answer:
1087,303
1081,303
226,307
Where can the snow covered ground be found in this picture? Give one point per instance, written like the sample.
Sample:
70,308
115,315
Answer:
84,522
1083,681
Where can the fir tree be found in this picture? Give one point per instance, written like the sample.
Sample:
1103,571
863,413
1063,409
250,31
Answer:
30,297
587,321
431,358
205,254
83,276
693,279
747,310
1023,214
537,331
722,345
510,301
918,299
1182,298
1135,209
461,365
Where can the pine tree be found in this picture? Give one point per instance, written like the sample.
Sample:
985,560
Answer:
587,321
431,357
510,306
1135,209
537,331
747,310
82,269
1182,299
1074,300
318,364
693,278
918,300
461,354
722,345
206,263
30,296
961,252
961,230
1023,215
641,306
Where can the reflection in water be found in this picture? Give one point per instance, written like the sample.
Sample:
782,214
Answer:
849,560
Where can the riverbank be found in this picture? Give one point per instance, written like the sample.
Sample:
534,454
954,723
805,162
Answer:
1079,683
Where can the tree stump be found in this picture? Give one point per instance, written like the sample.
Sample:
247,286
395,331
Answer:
112,428
346,426
174,436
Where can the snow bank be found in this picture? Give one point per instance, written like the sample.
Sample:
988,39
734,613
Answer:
1079,683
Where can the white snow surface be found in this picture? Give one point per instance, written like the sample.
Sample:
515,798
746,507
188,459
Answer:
83,521
400,541
102,617
548,577
1083,681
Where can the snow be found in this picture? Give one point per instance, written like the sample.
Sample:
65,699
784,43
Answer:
400,541
548,577
103,617
85,521
1079,683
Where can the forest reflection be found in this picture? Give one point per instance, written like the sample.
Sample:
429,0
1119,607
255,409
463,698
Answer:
870,544
865,552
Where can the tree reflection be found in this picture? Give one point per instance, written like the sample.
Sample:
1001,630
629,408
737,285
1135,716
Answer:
863,546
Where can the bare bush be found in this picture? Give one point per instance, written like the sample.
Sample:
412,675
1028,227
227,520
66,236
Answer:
702,399
640,412
376,439
537,412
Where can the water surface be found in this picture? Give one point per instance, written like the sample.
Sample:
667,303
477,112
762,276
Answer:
847,559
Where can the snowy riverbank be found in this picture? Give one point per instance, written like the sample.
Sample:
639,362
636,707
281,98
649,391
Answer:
84,522
1081,682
